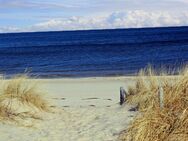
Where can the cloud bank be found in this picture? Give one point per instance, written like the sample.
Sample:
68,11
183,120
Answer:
128,19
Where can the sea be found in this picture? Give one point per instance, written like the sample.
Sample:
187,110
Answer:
92,53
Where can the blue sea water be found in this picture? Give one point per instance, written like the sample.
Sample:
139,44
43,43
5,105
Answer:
94,52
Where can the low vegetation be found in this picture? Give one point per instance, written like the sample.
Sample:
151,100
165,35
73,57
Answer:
155,123
20,99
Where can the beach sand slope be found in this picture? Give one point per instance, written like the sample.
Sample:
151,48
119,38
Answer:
87,109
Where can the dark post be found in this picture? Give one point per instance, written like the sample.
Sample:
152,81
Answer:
122,95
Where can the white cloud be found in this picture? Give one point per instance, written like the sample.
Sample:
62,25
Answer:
129,19
8,29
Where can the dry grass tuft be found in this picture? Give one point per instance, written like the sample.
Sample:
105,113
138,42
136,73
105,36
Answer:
19,98
154,123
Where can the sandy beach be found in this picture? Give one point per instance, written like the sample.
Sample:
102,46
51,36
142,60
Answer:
86,109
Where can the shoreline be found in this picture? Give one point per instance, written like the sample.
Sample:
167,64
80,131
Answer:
82,78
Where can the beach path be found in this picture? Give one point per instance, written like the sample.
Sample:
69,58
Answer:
87,110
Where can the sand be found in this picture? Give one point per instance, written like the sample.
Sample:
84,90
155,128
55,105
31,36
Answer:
86,109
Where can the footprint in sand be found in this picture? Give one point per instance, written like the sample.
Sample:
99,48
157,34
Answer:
92,98
65,106
92,105
59,98
108,99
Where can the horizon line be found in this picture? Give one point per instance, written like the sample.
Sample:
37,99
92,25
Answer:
132,28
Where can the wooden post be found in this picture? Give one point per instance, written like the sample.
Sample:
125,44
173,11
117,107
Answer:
161,97
123,95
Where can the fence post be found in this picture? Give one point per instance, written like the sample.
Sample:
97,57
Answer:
161,97
123,95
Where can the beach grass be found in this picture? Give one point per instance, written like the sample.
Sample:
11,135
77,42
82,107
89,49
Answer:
156,123
20,98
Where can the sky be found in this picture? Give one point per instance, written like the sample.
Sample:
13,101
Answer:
60,15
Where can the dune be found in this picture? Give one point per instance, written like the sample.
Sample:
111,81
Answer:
163,105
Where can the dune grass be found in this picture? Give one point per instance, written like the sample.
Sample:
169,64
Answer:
154,123
20,98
